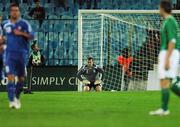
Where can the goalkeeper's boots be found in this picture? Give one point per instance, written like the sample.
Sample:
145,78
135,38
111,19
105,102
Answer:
159,112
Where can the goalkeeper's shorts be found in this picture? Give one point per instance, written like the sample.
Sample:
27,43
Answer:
92,85
174,63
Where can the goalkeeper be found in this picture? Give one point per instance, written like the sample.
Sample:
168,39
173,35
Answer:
89,76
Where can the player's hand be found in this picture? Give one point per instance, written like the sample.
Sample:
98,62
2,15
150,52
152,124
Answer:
167,64
17,32
97,82
86,82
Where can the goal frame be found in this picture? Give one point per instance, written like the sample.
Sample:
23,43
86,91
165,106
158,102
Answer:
101,12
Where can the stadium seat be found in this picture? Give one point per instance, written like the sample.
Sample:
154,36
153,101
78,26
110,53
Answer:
59,29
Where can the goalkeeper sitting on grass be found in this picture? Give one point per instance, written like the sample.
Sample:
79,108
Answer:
89,76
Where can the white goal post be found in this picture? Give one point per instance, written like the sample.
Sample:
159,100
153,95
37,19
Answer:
111,35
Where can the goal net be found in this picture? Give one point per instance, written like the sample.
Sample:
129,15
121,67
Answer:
125,43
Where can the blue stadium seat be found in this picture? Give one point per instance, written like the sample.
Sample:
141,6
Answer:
58,33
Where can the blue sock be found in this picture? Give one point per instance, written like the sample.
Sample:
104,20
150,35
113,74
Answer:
19,89
11,91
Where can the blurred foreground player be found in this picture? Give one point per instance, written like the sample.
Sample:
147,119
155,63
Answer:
168,57
18,32
89,76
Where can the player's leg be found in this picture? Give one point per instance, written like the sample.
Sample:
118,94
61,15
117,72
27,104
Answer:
18,91
164,83
97,85
175,82
11,90
10,71
21,72
98,88
11,86
19,86
165,93
171,73
87,88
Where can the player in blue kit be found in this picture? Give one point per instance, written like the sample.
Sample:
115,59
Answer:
17,33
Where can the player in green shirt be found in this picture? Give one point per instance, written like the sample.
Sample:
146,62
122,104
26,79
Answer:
168,56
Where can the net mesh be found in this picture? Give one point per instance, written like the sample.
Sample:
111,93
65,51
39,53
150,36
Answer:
126,45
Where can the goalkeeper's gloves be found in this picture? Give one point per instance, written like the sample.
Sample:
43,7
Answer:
86,82
97,82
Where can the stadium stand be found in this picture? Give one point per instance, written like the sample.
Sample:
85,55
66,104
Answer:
58,34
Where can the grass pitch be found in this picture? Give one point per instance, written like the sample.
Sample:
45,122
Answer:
73,109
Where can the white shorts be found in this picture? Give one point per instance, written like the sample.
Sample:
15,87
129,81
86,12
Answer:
174,64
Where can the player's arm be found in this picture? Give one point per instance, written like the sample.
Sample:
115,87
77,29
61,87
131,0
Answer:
99,69
171,35
80,73
2,39
2,43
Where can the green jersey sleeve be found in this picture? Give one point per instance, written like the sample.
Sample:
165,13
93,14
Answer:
171,30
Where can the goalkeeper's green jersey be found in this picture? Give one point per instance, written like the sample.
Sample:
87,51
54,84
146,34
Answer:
169,33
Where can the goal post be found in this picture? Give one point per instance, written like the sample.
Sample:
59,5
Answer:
116,37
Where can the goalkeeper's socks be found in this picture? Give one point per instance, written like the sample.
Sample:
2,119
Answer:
175,88
11,91
19,89
165,98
